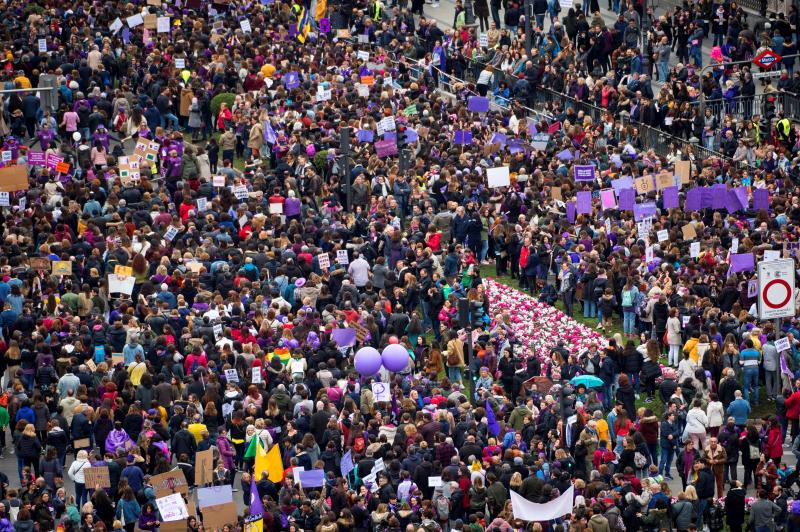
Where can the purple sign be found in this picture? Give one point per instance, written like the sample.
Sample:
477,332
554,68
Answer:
670,197
571,212
344,337
742,262
365,135
622,183
761,199
565,155
478,104
708,198
463,136
315,478
584,172
516,146
498,137
52,160
719,196
732,203
291,80
385,148
36,158
741,195
584,202
644,210
325,25
694,199
627,199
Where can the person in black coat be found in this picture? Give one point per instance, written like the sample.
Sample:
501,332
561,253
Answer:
734,507
626,396
632,364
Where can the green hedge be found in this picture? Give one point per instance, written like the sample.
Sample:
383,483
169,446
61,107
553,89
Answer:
216,102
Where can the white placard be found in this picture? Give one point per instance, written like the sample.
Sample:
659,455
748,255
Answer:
42,45
771,254
663,235
388,123
172,508
217,331
218,180
202,204
240,192
135,20
245,25
498,177
323,259
214,495
363,55
162,25
231,375
255,377
180,63
120,285
685,321
243,220
379,466
341,257
434,482
276,208
23,202
734,245
5,199
387,80
116,25
6,155
649,254
483,40
776,289
362,90
382,392
171,233
782,344
694,249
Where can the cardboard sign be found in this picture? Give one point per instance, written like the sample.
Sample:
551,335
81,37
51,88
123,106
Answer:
97,476
170,482
62,267
204,467
689,232
121,284
217,516
324,261
173,526
13,178
116,359
683,171
123,271
644,184
40,263
82,443
664,180
361,332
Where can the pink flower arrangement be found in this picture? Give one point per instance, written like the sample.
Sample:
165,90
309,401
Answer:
538,326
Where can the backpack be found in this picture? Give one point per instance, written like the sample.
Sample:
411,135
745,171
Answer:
452,359
195,364
442,505
640,304
639,460
627,298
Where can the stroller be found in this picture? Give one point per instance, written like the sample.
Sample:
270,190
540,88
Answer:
788,479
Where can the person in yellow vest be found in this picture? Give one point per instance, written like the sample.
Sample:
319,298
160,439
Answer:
196,427
602,426
375,10
784,128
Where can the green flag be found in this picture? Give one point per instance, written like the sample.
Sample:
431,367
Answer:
251,448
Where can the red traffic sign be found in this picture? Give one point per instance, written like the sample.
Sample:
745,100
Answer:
767,59
776,293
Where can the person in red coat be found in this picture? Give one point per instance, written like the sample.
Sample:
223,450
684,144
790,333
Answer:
774,446
793,410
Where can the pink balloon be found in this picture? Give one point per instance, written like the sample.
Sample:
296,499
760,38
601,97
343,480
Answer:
393,340
395,357
368,361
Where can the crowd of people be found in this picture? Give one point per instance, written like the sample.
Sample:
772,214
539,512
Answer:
220,204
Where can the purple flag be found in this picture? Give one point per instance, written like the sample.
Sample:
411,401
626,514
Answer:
564,155
670,197
516,146
269,133
532,129
462,136
256,507
344,337
498,137
315,478
742,262
622,183
627,199
732,202
411,135
346,465
385,148
126,35
325,25
491,420
291,80
571,212
761,199
644,210
478,104
584,202
694,199
719,196
584,172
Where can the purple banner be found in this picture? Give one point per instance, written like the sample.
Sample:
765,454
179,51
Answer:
385,148
708,198
670,197
584,172
627,199
498,137
694,199
314,478
365,135
571,212
565,155
719,196
741,195
584,202
732,202
761,199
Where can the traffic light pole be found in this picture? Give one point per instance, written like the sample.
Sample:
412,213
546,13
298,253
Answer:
344,146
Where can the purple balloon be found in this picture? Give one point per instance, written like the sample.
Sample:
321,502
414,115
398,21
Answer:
395,357
368,361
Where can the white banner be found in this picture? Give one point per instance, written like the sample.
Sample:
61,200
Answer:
531,511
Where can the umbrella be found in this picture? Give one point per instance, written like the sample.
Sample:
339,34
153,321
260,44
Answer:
590,381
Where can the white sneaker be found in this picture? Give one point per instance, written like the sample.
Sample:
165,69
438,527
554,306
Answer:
637,396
